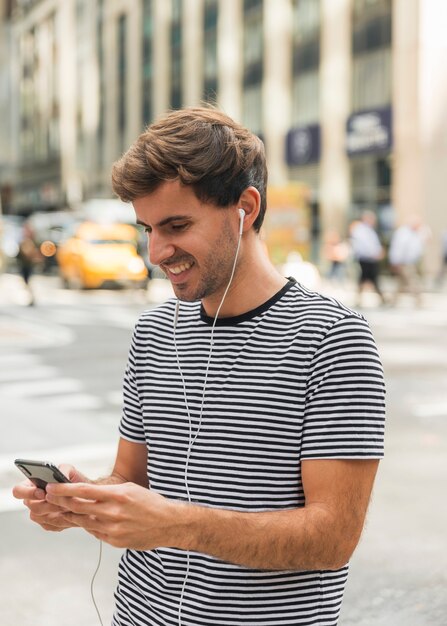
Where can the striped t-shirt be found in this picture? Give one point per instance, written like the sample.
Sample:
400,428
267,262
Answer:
296,378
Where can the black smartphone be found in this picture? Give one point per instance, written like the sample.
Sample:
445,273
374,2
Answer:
41,472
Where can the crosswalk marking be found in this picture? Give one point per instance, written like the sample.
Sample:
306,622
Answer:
72,317
8,502
115,398
76,455
430,410
42,387
28,372
17,360
74,402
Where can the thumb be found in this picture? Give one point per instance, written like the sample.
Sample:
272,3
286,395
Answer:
73,474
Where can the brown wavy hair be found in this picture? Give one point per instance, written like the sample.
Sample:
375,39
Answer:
201,147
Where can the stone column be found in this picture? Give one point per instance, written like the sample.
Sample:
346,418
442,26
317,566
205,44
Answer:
335,89
277,87
229,57
192,44
407,158
162,56
70,176
420,127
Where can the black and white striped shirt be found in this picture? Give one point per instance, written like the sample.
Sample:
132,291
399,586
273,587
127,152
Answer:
297,378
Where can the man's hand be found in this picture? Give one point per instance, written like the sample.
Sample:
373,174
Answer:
48,516
125,515
321,535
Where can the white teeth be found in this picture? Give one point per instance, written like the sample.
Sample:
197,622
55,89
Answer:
180,268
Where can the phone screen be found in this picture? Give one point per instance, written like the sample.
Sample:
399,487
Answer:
41,472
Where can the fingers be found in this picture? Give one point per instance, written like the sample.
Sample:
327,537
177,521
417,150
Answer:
52,521
88,522
73,474
86,491
50,512
74,505
41,507
28,491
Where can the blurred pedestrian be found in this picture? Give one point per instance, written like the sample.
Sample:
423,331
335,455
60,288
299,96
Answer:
304,272
27,258
336,252
443,269
405,257
368,251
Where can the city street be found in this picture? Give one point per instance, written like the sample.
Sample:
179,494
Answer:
61,366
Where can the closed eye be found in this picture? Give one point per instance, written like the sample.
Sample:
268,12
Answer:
179,227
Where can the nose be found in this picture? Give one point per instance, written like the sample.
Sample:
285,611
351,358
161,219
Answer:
159,248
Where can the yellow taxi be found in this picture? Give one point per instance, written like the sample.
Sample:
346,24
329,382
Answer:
97,254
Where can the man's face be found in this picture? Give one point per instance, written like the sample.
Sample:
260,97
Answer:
193,242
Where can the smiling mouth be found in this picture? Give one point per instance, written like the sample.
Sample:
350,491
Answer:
177,269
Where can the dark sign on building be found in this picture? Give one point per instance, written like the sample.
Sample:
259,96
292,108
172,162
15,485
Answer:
303,145
368,132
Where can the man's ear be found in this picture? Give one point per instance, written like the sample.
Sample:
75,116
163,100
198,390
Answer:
250,201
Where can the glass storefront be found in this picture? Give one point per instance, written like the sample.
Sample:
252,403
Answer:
210,50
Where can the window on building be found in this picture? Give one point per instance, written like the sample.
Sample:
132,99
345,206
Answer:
305,98
252,107
371,77
253,61
148,68
306,61
27,96
371,50
82,52
371,181
54,108
176,54
306,20
366,8
210,51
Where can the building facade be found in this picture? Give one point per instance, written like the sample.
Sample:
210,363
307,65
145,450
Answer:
349,96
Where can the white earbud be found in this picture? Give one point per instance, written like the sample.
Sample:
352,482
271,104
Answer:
241,223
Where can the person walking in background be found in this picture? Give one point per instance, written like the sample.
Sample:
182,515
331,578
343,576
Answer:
368,252
405,257
27,258
336,252
443,269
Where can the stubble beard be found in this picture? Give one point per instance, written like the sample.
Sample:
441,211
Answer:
215,269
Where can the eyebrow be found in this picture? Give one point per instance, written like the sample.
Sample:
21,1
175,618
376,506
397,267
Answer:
167,220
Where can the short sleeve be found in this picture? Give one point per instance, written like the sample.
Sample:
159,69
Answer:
131,425
345,395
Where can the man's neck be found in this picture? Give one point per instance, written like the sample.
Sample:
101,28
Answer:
256,281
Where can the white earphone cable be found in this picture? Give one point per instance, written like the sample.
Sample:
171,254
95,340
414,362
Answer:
192,439
92,583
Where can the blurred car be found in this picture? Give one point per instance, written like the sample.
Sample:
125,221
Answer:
98,254
49,229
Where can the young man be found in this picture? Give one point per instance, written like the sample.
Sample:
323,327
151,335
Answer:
253,412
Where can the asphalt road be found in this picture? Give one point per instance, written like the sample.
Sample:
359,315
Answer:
61,365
